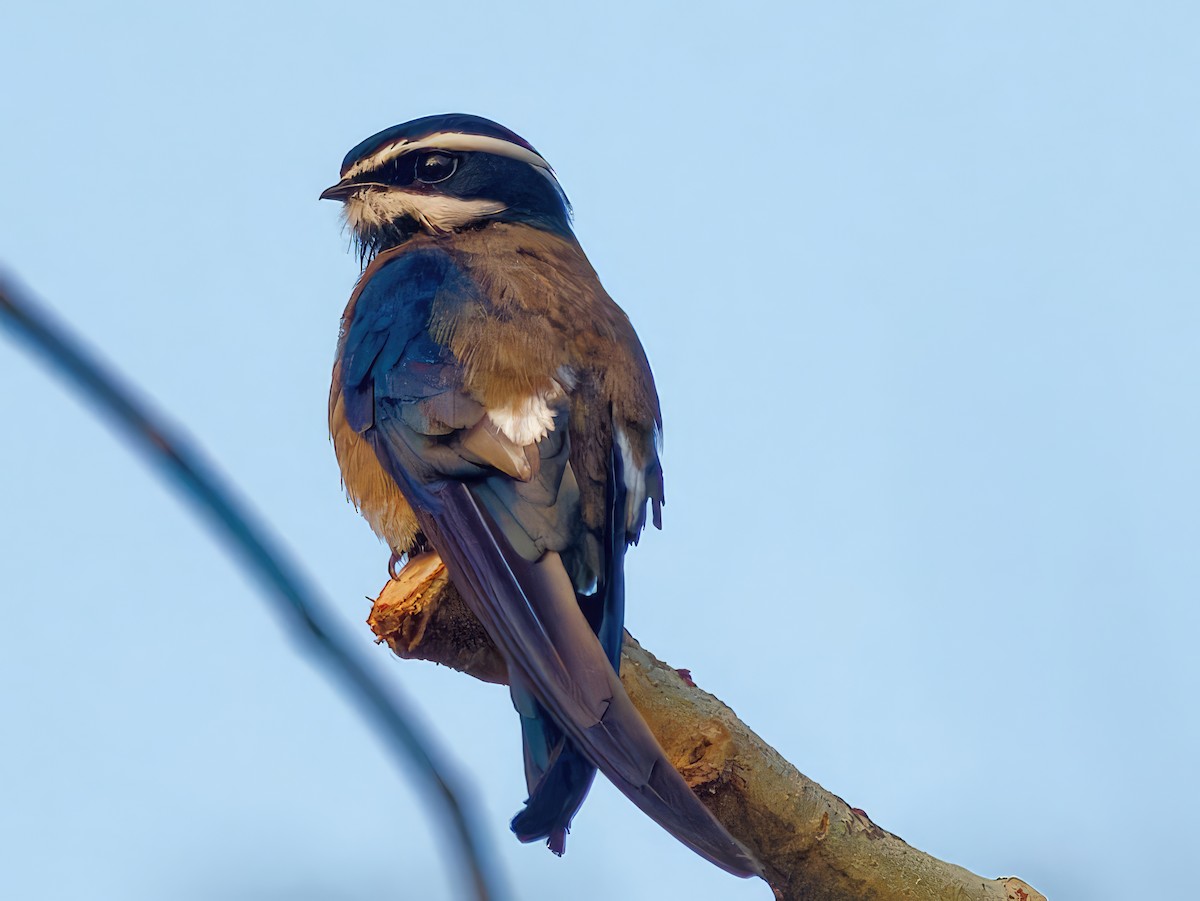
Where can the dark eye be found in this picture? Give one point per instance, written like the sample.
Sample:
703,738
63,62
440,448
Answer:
434,167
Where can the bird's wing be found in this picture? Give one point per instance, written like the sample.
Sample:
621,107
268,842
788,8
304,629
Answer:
502,516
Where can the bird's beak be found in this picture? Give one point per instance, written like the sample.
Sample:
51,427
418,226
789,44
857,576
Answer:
340,191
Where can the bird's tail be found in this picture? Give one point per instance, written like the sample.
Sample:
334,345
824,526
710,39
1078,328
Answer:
531,612
558,775
556,771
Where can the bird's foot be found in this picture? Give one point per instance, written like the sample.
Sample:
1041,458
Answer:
395,564
407,602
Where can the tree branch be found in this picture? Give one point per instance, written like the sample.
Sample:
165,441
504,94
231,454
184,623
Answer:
812,844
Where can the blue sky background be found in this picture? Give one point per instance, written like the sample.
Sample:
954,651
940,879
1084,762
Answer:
919,284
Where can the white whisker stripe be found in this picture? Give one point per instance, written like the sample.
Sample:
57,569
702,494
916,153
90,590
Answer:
435,212
448,141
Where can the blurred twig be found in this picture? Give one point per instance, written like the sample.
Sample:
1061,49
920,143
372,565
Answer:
287,589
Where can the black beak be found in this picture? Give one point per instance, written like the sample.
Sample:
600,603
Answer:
340,191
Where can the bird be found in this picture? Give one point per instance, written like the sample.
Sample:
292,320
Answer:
491,403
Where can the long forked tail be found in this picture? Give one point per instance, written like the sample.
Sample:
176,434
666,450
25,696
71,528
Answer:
557,773
530,611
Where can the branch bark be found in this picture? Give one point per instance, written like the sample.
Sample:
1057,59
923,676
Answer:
812,844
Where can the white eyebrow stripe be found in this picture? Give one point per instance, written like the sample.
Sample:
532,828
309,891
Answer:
448,140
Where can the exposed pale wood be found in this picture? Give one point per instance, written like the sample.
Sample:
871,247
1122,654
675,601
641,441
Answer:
811,842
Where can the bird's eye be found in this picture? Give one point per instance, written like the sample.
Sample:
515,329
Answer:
435,167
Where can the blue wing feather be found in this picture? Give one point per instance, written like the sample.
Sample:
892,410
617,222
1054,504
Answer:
391,313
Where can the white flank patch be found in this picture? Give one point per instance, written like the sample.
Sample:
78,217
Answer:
527,420
449,141
634,477
368,208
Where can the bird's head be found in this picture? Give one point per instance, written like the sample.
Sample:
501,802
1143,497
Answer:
439,174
